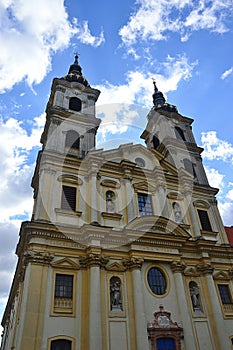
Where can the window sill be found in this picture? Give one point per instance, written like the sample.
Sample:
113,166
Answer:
209,233
68,212
112,216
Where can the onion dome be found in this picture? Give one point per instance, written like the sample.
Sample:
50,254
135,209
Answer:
160,102
75,73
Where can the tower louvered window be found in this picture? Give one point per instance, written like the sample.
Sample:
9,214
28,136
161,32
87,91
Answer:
204,219
179,133
68,200
72,139
75,104
188,165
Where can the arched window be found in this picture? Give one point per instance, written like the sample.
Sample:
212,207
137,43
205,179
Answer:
155,141
165,344
115,294
179,133
110,202
61,344
75,104
72,139
195,296
157,281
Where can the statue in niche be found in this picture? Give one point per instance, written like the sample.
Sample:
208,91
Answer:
115,294
195,297
177,212
110,202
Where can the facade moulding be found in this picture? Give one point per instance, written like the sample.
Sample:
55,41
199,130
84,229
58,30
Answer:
177,266
92,259
205,268
133,263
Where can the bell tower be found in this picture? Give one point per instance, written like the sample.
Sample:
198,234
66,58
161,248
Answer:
69,134
170,133
71,106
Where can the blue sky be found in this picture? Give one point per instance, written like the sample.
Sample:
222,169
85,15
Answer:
185,45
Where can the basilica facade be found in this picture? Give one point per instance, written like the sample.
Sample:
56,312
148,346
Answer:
126,248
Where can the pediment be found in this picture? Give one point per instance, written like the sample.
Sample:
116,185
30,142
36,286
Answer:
115,267
144,186
221,275
191,271
66,263
157,225
71,179
110,183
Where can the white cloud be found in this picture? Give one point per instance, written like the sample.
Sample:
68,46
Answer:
227,73
183,16
30,32
15,146
117,104
226,211
214,177
139,88
215,148
85,36
229,195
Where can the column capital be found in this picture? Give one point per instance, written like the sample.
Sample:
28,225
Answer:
37,258
92,259
177,266
205,268
133,263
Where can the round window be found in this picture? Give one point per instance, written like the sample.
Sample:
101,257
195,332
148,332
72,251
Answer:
157,281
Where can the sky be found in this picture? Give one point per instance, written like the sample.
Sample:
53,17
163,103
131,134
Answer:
185,45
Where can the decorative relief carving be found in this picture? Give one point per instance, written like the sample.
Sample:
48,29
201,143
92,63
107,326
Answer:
178,266
93,260
133,263
205,268
38,258
191,271
164,327
115,266
223,275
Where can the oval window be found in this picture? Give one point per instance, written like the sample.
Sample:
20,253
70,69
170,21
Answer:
157,281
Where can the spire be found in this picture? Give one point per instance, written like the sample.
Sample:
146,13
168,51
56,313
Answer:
75,73
160,102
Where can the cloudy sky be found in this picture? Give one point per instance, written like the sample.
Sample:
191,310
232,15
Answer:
185,45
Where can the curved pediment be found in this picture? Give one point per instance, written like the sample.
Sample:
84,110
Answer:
157,224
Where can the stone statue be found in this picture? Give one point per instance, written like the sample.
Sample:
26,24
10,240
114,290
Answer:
115,294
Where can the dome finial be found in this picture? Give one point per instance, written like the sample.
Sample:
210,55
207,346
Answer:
76,57
75,73
154,83
159,100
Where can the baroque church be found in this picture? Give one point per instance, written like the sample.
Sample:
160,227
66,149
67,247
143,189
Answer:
126,248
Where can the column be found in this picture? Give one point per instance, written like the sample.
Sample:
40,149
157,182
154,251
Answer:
94,262
135,265
177,268
215,311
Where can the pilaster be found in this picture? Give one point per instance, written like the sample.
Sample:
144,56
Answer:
135,264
